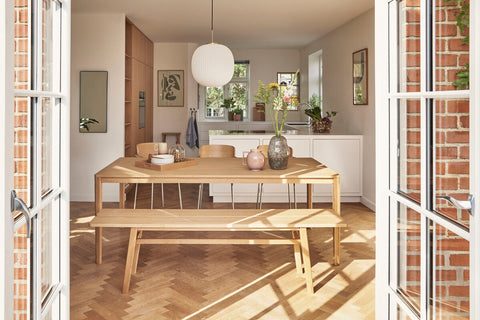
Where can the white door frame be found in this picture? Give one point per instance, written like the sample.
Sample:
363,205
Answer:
7,225
384,193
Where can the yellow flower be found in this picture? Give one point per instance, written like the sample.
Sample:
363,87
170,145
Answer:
273,85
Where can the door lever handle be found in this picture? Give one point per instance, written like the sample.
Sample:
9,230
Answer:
17,204
464,205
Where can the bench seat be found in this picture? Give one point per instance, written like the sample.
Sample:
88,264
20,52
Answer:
296,220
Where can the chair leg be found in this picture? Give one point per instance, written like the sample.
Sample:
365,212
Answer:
289,199
294,197
231,192
135,199
180,195
200,195
151,199
258,196
261,194
163,198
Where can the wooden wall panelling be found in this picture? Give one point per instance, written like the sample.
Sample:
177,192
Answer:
138,48
149,104
149,53
128,138
140,132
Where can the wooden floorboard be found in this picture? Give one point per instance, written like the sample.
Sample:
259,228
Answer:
220,281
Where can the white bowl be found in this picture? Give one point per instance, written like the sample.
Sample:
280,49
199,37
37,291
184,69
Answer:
162,159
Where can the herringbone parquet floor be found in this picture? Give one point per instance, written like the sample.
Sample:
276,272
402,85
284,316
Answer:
221,281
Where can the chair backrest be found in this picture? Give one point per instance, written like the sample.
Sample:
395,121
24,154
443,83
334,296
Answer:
264,149
217,151
144,149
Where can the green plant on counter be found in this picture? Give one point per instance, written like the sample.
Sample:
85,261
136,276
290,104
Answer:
236,110
228,104
84,122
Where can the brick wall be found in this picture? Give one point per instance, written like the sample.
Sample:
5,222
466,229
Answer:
451,272
21,154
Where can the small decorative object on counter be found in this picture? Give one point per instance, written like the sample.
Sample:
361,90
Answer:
162,148
255,160
178,152
318,121
278,153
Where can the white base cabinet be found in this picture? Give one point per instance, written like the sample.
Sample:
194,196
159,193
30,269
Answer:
342,153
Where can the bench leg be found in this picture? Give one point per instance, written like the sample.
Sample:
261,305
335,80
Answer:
306,259
137,253
297,253
98,245
336,246
130,259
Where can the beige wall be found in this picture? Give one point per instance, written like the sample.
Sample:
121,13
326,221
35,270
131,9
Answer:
264,65
98,43
338,47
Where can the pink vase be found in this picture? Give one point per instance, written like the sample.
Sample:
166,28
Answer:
255,160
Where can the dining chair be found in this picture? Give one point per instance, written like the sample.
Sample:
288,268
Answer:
143,151
264,149
215,151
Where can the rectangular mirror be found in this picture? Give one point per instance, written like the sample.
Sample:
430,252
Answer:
93,101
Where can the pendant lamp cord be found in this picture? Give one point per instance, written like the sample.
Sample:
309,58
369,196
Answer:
211,25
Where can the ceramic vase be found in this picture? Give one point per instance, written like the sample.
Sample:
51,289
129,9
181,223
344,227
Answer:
278,153
255,160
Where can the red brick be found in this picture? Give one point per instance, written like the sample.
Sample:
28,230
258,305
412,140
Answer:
413,15
458,137
440,15
466,275
446,152
413,245
464,122
439,260
413,75
413,106
23,15
412,3
452,75
21,60
440,168
21,167
459,291
445,30
20,273
464,183
413,168
445,88
19,304
413,152
440,105
413,260
412,30
457,45
445,122
452,14
413,136
458,106
452,245
460,260
440,137
458,168
441,291
447,183
413,88
413,275
21,45
440,75
413,60
21,31
446,275
463,58
21,3
412,45
464,153
413,183
413,121
446,60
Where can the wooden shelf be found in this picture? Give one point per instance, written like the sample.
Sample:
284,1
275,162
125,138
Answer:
127,146
127,124
128,101
128,79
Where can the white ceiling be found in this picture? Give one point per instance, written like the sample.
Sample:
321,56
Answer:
238,23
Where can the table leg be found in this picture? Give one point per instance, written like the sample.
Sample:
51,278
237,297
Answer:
336,246
306,259
98,231
297,253
309,196
130,259
121,196
336,194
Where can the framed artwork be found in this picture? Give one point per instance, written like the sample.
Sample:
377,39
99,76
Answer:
360,77
170,88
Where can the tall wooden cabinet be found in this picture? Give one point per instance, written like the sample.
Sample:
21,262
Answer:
138,88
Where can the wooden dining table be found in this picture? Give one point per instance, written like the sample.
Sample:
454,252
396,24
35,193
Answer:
216,170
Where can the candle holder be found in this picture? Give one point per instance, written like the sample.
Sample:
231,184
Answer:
178,152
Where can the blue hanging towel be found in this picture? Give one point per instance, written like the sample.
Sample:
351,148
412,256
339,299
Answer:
196,130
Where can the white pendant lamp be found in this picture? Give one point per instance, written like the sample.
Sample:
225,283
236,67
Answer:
212,64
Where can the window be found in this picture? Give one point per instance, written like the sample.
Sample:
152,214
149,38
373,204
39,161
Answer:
211,98
283,79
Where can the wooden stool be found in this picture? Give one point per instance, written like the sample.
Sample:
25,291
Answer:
176,134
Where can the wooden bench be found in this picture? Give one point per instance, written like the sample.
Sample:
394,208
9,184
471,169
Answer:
296,220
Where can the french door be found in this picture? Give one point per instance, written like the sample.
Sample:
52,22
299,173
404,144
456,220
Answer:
35,158
428,159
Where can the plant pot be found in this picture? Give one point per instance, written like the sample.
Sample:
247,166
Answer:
278,153
320,127
237,117
230,116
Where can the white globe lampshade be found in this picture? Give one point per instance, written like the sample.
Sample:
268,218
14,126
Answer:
212,65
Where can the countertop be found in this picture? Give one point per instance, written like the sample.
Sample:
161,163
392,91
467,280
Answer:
290,130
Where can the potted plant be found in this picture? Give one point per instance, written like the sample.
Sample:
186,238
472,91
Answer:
229,105
318,121
237,114
84,122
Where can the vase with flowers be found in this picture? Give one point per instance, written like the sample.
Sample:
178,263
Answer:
277,103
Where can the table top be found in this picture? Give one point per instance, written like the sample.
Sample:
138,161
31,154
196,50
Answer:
218,170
